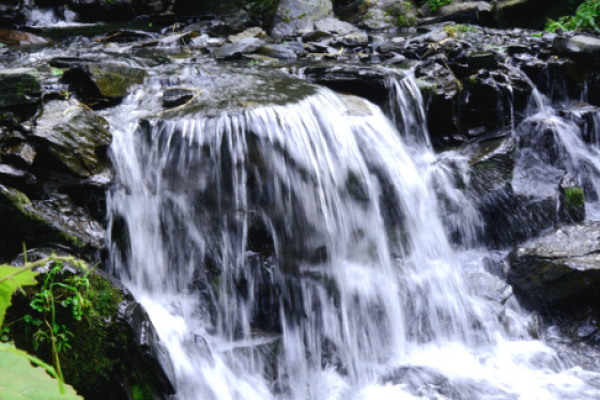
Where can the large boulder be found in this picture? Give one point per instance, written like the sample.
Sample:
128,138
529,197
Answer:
116,10
586,47
559,268
376,15
113,350
470,11
296,17
74,135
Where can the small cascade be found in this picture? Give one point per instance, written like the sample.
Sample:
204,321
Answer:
48,16
295,250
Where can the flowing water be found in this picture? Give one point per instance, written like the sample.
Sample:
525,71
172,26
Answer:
290,243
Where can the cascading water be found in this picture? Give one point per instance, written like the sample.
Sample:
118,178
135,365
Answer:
295,251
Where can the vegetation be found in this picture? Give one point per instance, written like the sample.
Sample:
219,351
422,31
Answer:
436,4
19,379
586,17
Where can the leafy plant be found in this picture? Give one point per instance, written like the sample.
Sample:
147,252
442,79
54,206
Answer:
586,17
436,4
18,378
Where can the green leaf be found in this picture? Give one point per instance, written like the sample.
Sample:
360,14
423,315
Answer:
10,280
19,380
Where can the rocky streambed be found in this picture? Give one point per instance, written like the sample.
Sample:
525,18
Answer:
513,116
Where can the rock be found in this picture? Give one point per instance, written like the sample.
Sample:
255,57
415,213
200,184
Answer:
296,17
335,27
102,84
20,154
114,349
481,60
470,11
176,97
396,45
235,50
279,51
121,10
255,32
19,38
362,81
377,15
19,87
560,267
355,39
74,135
523,13
579,45
54,220
260,59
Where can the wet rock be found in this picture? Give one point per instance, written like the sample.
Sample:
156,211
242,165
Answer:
523,13
102,84
114,349
366,82
235,50
74,135
396,45
255,32
579,45
54,220
491,287
20,154
125,36
562,266
484,59
19,38
19,87
176,97
355,39
587,119
280,51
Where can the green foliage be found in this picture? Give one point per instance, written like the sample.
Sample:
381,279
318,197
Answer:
574,198
436,4
586,17
13,279
19,380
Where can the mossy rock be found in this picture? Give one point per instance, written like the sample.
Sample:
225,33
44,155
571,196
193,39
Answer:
55,220
108,357
19,87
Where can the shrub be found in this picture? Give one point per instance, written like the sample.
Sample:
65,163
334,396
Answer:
586,17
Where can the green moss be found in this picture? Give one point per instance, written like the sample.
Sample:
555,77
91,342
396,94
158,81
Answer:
574,198
141,392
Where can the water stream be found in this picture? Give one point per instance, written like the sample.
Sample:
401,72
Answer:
298,250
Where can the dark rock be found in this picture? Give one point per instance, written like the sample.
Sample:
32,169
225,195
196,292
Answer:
235,50
19,87
483,59
579,45
74,135
124,36
116,10
523,13
176,97
560,267
114,349
366,82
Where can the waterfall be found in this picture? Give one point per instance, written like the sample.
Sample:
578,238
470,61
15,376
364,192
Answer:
299,251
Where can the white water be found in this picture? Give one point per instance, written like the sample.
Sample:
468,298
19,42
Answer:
369,299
